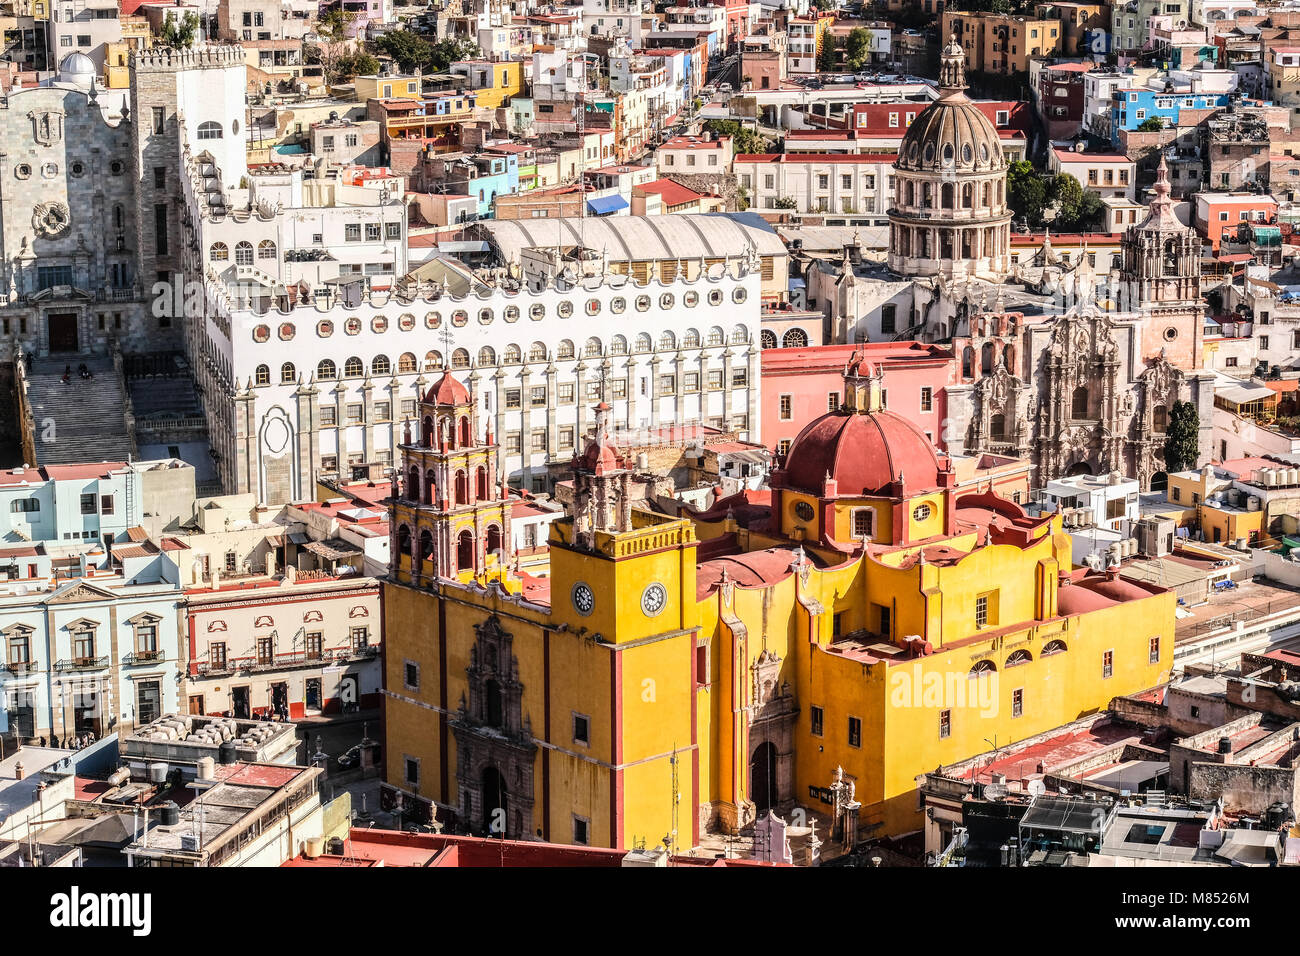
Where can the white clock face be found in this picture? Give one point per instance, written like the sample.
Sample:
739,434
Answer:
653,599
583,599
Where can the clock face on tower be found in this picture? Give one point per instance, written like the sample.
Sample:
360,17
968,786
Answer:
653,599
583,598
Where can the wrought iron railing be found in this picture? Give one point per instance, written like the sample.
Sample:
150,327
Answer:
81,664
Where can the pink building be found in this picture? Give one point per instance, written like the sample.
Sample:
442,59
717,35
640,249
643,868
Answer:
801,384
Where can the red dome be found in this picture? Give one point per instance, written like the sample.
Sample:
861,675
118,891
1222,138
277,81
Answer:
864,452
447,391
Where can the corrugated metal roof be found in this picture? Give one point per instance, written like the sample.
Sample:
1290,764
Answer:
640,238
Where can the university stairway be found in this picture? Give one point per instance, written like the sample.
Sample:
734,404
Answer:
81,421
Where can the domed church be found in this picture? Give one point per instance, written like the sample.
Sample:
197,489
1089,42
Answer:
950,216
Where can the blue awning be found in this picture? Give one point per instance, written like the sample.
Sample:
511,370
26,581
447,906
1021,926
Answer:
606,205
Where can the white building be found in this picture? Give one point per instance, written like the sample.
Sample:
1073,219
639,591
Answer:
1109,175
849,185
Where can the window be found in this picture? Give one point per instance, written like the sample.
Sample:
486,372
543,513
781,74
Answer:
787,411
945,724
1154,650
982,611
105,504
888,318
412,676
1018,702
372,232
537,396
1107,664
355,413
88,504
863,522
927,399
327,416
855,732
160,177
25,505
581,831
514,398
352,232
412,772
581,729
210,130
158,119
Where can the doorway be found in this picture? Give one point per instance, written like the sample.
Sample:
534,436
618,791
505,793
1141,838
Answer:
313,694
762,776
85,711
494,803
196,705
148,701
22,714
280,700
63,331
239,702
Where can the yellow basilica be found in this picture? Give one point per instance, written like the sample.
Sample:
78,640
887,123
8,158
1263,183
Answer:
672,675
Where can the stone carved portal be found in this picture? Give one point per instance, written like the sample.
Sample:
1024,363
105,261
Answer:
771,737
495,752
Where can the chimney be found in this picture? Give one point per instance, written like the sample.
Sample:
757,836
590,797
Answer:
18,770
216,579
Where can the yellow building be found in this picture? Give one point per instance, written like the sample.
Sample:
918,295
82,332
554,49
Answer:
1002,43
386,87
492,82
670,675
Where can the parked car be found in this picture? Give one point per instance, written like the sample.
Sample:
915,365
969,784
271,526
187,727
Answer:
351,758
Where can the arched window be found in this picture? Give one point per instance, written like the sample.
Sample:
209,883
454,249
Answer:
481,484
353,368
983,669
1053,647
967,196
643,342
326,370
667,340
537,352
209,130
493,711
618,345
466,439
288,374
219,252
493,539
426,546
946,196
794,339
406,362
909,192
426,432
432,360
564,350
592,348
513,355
404,540
244,254
430,487
767,339
1016,658
927,197
460,359
413,484
266,249
988,194
380,365
1009,358
716,337
998,427
462,488
691,339
487,356
740,335
262,375
1079,402
968,362
988,357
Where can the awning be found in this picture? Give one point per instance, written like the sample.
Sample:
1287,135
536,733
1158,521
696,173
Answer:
606,205
1241,394
334,549
757,456
299,538
463,246
275,540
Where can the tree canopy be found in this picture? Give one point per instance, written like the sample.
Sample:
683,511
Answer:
179,33
1026,192
857,48
826,52
743,139
1182,439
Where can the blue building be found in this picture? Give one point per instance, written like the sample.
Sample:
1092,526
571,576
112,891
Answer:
496,176
1130,108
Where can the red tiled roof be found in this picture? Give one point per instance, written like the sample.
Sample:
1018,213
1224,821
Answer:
673,193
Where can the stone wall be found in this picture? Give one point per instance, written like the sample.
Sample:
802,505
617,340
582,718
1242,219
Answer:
1243,789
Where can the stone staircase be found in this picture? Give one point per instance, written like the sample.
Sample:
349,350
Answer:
82,421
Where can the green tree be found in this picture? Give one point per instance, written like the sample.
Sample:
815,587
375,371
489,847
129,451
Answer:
1153,124
410,51
743,139
824,5
826,52
179,34
356,64
1026,192
857,47
332,42
449,51
1182,439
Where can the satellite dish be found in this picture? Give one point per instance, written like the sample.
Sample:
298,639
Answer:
1036,788
995,791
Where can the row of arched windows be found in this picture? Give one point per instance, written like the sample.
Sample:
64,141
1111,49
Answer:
220,252
492,540
353,367
792,339
948,195
989,358
1017,658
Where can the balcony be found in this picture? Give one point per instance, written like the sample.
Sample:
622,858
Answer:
18,668
288,660
143,657
82,664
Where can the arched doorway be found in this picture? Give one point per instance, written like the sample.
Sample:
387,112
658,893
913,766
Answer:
762,776
481,484
493,539
494,798
1078,468
1159,481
